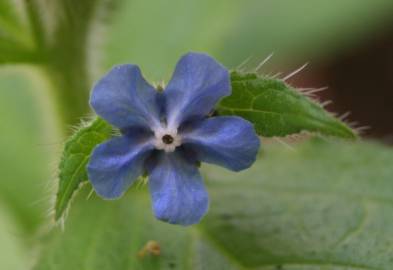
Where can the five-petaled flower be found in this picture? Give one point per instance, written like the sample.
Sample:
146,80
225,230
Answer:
166,134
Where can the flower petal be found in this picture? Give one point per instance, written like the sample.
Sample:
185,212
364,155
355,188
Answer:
196,86
124,98
177,190
228,141
117,163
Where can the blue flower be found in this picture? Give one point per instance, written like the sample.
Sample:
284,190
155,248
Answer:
167,134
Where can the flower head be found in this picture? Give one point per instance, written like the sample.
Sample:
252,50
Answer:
166,134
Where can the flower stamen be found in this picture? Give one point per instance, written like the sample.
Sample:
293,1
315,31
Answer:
167,139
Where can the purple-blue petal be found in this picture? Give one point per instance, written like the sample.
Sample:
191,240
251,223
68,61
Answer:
197,84
177,190
124,98
228,141
117,163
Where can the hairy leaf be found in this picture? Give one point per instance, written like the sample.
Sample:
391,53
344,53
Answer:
324,206
276,109
72,169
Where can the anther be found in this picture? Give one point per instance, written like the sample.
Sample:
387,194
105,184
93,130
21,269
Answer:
167,139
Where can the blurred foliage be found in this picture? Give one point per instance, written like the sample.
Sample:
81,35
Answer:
24,159
66,41
155,33
14,253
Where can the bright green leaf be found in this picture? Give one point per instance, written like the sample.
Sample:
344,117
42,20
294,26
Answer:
323,206
276,109
72,168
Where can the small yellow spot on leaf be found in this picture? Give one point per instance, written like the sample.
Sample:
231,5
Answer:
151,248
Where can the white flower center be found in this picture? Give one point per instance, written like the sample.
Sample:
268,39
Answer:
166,139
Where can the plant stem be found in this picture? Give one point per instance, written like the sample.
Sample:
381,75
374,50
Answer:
71,94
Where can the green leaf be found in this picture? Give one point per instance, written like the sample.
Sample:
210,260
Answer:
323,206
72,168
276,109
